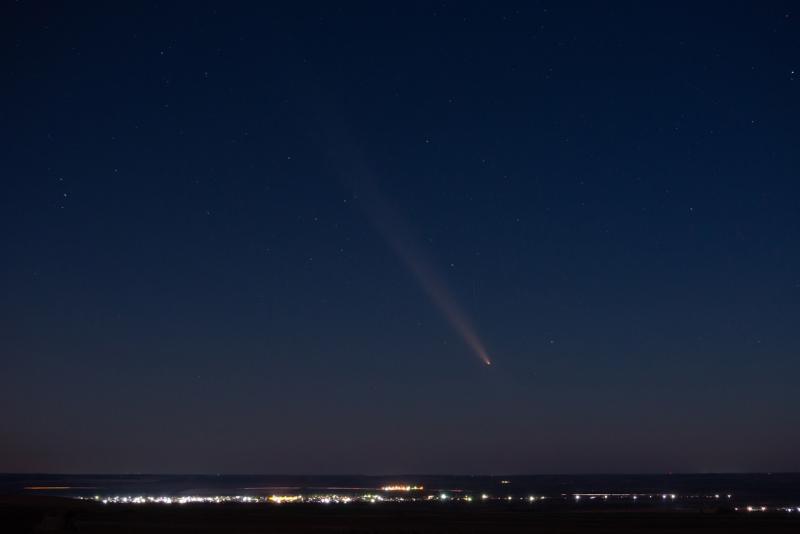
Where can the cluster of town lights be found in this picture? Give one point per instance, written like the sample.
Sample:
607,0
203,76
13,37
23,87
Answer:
790,509
288,499
372,498
402,488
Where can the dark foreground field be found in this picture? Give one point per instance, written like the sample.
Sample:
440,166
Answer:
61,515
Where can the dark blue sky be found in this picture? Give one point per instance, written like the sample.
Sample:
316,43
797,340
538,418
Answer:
202,203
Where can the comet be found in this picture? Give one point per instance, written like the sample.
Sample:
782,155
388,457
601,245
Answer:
396,232
357,176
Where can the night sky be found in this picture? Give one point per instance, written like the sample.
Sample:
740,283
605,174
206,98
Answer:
275,239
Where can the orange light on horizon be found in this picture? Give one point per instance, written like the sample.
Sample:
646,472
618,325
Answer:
278,499
402,488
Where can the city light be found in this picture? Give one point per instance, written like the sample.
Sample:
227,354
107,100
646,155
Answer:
402,488
373,497
279,499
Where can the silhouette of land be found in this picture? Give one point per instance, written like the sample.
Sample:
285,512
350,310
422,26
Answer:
53,514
